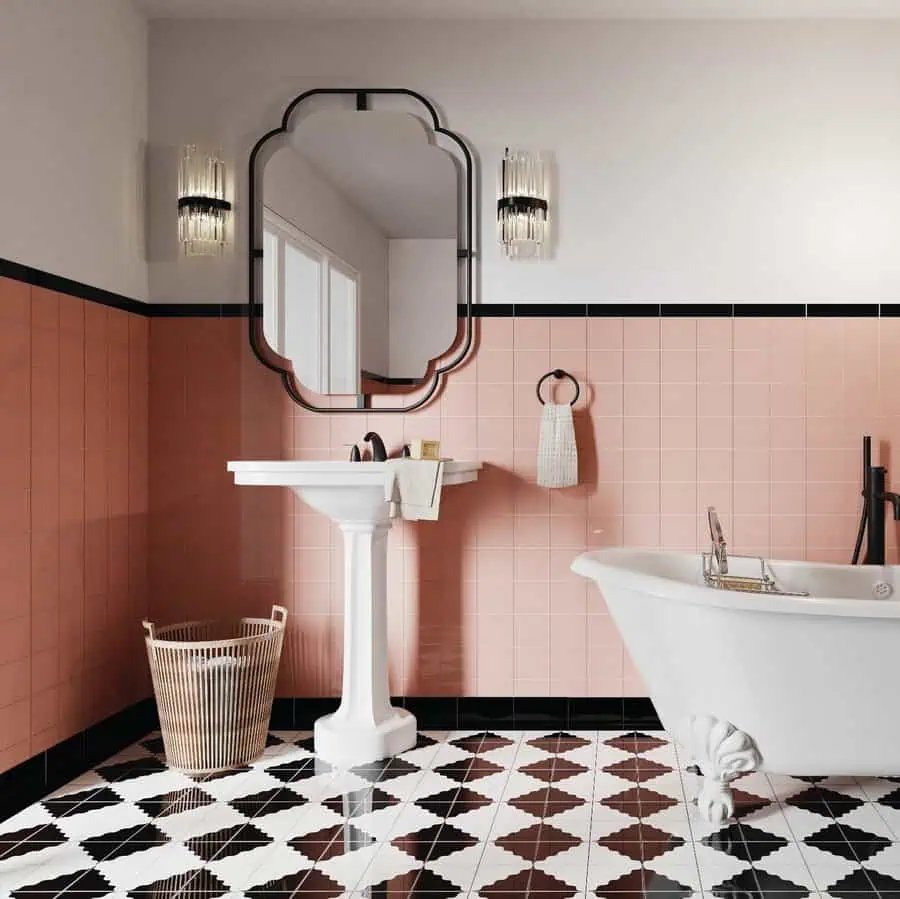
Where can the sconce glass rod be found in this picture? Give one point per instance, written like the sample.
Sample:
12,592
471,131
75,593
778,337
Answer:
202,207
522,204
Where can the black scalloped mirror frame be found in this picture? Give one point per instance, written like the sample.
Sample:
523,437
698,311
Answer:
465,253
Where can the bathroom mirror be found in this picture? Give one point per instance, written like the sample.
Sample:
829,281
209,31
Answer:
361,264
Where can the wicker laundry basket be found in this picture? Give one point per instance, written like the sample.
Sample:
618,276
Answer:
214,683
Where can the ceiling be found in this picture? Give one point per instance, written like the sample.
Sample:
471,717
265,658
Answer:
521,9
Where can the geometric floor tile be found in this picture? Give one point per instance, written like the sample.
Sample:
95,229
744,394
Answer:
744,842
641,842
530,882
549,815
643,882
637,769
538,842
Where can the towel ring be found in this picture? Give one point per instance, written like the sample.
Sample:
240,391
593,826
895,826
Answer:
558,373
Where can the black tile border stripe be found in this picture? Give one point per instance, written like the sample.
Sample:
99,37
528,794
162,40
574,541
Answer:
42,774
498,712
39,278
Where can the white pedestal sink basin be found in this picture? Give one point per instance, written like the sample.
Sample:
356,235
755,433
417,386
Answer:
366,726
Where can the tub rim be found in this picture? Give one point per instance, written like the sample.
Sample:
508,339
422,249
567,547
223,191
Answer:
601,563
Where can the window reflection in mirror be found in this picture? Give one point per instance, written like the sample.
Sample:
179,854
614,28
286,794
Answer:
360,269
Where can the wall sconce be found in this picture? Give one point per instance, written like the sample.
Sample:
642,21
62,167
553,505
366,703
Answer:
522,204
202,207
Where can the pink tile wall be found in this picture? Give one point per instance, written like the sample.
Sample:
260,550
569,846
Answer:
762,418
73,514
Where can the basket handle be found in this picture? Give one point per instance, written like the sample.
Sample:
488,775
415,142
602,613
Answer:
279,614
150,628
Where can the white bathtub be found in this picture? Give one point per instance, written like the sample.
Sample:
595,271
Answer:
792,685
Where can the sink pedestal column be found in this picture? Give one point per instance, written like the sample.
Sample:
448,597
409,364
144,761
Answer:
366,726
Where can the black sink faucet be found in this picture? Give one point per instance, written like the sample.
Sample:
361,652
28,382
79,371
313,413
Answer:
379,453
874,499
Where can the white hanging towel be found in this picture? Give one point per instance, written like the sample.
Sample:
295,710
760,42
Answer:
413,487
557,462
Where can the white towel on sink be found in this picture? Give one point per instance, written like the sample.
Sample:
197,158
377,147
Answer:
413,487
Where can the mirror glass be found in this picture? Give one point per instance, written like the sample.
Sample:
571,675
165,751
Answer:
360,269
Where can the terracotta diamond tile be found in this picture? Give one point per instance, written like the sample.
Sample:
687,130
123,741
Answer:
647,884
483,742
637,769
636,742
641,842
558,743
530,882
639,802
546,802
434,842
538,842
553,769
468,769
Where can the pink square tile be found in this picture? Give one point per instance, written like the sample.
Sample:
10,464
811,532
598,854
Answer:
715,433
678,433
640,531
752,333
751,400
642,465
714,400
532,530
751,366
751,433
751,465
677,499
496,333
715,366
641,433
532,333
679,532
641,365
641,400
605,366
496,366
788,400
641,333
678,465
678,400
531,598
787,433
495,400
568,334
531,364
786,499
641,498
678,333
715,333
788,465
605,333
749,499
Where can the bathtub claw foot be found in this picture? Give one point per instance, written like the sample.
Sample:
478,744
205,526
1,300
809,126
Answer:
722,752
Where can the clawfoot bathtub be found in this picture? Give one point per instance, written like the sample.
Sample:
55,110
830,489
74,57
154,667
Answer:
787,684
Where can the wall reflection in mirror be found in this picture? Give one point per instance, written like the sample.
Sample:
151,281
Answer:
360,268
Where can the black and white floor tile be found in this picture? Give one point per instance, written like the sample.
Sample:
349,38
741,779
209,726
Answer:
492,815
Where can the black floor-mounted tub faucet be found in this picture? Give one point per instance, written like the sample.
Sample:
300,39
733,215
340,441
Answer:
875,497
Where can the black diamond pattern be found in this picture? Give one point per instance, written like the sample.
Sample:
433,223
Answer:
87,883
79,803
267,802
359,802
453,802
744,842
758,884
30,839
418,882
386,769
175,803
131,769
434,842
848,842
124,842
825,802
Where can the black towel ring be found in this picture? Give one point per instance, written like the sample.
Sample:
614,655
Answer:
558,373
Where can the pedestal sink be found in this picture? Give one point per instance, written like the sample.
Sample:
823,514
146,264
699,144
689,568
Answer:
366,726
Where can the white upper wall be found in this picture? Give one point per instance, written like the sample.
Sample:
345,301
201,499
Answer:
73,96
694,161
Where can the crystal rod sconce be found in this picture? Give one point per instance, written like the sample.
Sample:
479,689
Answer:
202,207
522,204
